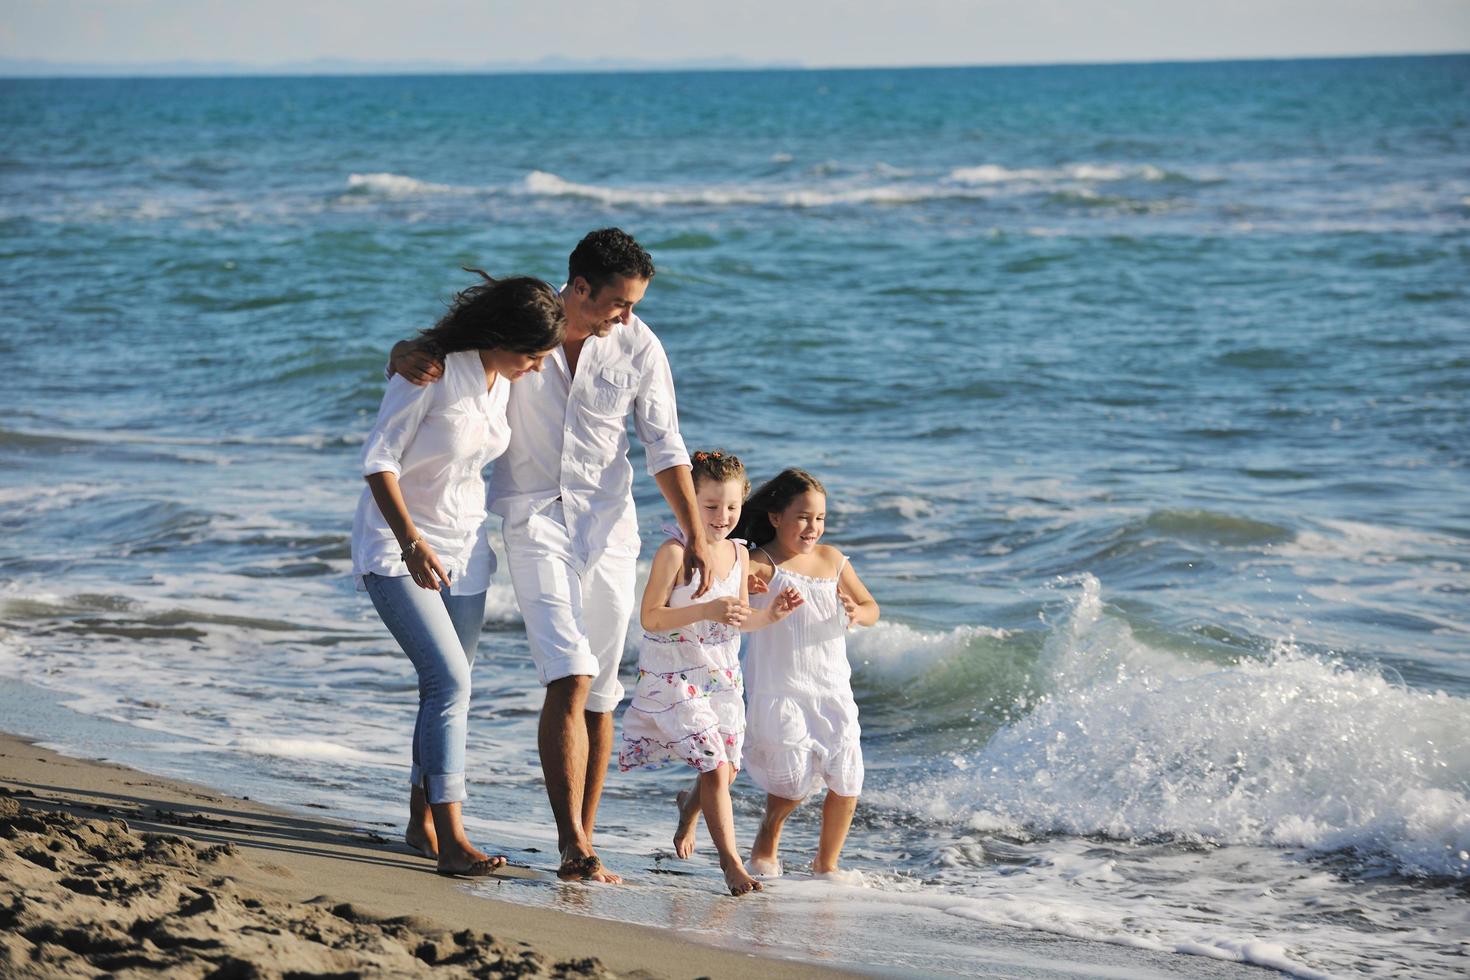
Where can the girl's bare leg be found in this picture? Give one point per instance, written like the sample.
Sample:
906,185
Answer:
688,800
420,833
836,821
764,853
714,790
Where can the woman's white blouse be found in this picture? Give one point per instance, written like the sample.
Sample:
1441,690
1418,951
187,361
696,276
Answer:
436,439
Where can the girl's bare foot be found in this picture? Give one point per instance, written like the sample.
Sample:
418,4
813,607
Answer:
765,867
739,882
684,834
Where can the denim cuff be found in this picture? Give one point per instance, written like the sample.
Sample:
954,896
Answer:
444,787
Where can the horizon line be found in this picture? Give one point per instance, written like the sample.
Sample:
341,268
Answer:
342,67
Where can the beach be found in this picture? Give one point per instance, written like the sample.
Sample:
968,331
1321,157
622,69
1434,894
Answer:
1139,392
107,869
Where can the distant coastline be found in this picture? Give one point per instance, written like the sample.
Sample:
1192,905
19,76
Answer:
18,68
42,68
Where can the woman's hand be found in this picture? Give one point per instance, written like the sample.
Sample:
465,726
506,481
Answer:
425,567
755,585
785,603
727,609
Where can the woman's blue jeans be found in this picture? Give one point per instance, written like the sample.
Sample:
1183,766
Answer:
438,631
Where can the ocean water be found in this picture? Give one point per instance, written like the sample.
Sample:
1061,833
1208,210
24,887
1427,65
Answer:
1140,392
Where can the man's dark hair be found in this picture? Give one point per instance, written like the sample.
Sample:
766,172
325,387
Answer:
606,254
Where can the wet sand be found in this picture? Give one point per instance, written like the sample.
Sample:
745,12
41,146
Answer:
107,870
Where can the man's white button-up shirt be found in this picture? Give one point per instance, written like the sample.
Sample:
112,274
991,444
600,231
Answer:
569,439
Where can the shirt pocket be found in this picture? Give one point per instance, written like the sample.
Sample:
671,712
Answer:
455,435
444,442
612,391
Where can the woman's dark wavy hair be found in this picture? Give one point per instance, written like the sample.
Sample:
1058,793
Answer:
518,314
604,254
772,497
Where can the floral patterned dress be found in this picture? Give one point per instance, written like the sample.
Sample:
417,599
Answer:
688,706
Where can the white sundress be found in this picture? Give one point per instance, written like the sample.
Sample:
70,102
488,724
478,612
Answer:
687,706
802,719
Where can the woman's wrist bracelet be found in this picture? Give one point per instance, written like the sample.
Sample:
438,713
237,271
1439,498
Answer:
411,548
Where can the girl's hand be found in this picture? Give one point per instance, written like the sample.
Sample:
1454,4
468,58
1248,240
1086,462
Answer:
755,585
425,568
727,609
849,605
785,603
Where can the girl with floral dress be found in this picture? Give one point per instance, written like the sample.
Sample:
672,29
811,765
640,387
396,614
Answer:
688,704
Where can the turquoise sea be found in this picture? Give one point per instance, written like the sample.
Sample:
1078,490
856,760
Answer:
1142,393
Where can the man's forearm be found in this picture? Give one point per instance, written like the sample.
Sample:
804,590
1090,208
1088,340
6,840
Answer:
677,486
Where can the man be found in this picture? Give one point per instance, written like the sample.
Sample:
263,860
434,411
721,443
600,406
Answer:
563,490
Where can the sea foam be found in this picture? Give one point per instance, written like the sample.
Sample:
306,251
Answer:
1288,750
395,185
897,650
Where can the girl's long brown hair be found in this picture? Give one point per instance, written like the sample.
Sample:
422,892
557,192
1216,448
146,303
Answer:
772,497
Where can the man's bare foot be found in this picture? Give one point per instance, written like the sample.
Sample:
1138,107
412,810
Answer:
421,840
579,865
739,882
685,833
469,863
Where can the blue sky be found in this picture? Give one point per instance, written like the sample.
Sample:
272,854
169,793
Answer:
811,32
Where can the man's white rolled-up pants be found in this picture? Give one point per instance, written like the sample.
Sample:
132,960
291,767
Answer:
576,614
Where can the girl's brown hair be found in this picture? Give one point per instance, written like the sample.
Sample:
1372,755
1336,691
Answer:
773,497
719,466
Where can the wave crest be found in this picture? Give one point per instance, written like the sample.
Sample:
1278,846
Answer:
1291,751
394,185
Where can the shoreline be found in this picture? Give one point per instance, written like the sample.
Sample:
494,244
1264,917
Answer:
323,883
325,895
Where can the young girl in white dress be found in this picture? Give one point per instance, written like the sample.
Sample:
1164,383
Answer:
802,720
687,705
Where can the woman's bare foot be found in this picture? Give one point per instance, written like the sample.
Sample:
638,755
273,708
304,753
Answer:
583,865
422,840
739,881
469,863
685,833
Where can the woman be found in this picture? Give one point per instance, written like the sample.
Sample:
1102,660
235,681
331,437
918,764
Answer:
417,545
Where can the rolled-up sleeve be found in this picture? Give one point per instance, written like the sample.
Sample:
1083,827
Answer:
399,416
655,413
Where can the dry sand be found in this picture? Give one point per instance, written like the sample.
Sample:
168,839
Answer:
108,871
